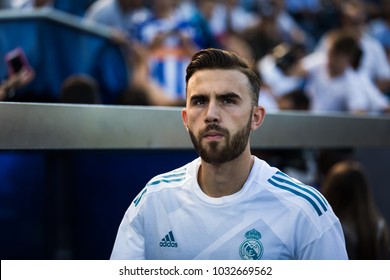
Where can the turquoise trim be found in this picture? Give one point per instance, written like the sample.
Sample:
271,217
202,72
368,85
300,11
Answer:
303,185
298,194
165,181
305,188
138,199
173,175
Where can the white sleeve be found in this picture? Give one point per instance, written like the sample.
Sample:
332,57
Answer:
329,246
313,61
129,243
382,63
377,100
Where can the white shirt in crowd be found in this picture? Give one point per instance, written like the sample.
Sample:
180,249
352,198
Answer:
332,94
374,61
108,12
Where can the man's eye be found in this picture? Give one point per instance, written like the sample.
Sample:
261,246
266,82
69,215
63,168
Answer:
199,101
228,101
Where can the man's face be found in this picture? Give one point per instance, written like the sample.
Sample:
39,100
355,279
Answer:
219,114
337,63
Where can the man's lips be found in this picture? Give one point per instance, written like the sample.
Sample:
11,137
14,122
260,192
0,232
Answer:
212,135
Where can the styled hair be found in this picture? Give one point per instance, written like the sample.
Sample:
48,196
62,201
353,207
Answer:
221,59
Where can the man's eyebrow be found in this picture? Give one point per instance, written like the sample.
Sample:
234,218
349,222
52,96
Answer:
223,95
197,96
232,95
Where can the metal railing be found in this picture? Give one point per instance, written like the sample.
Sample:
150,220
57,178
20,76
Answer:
62,126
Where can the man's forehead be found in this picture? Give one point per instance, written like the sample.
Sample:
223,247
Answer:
218,81
217,76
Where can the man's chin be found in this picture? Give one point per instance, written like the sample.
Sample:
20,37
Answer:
211,156
212,147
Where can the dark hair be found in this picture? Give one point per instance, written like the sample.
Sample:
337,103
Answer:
349,193
344,43
221,59
80,88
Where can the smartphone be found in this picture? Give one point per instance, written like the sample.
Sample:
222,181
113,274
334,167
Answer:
16,61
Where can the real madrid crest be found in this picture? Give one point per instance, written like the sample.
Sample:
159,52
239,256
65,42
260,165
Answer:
251,248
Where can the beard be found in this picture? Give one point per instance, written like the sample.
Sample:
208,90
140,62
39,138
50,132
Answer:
218,152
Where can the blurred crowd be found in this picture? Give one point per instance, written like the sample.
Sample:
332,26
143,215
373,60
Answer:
313,55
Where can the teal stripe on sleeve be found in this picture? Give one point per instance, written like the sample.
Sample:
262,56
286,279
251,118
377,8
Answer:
174,175
298,193
305,189
165,181
138,199
301,184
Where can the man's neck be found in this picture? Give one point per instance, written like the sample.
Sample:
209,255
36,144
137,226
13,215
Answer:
227,178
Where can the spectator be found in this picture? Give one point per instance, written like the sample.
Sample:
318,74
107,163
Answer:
225,17
295,100
332,84
80,89
379,28
374,60
20,73
124,15
143,90
15,80
366,232
377,101
275,69
171,38
126,18
191,10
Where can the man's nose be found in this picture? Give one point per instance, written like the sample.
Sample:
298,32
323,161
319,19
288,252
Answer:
212,114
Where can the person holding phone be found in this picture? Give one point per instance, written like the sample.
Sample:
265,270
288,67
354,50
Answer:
20,73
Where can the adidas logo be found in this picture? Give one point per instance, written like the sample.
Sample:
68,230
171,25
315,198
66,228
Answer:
168,241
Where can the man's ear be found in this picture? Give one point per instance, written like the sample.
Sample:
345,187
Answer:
184,117
258,116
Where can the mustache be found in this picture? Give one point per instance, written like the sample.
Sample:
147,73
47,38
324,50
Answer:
213,127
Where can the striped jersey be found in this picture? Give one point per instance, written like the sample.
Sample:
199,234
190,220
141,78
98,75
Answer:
272,217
